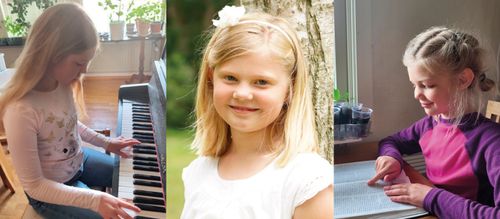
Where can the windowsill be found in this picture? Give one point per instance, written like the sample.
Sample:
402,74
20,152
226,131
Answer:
19,41
133,37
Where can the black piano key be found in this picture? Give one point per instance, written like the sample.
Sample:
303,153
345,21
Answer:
152,201
142,129
146,168
148,193
143,135
142,116
140,104
146,118
145,163
140,120
147,183
143,151
142,217
150,208
142,125
143,176
138,157
148,147
144,140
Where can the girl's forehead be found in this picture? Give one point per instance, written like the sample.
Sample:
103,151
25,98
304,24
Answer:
420,73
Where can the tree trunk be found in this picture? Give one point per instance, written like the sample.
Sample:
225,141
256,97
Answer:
313,20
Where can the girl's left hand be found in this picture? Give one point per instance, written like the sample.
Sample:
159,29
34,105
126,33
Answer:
413,194
117,144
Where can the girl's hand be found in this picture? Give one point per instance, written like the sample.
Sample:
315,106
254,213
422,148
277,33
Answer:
112,207
386,168
117,144
413,194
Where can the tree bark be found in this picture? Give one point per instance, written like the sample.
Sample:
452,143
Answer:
313,20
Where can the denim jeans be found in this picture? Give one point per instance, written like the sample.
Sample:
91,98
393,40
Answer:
97,170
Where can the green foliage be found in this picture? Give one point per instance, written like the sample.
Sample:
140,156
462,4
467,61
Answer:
149,12
114,8
338,96
14,28
19,26
179,155
129,16
181,92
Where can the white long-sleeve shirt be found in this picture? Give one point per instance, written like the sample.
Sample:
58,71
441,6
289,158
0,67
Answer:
44,140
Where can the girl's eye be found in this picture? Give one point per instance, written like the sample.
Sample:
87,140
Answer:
262,82
430,86
229,78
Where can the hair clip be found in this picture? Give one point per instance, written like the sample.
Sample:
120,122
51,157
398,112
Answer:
229,16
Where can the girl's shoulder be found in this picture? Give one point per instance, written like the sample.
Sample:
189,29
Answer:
199,167
308,174
309,164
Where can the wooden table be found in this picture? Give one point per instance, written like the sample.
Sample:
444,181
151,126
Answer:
344,153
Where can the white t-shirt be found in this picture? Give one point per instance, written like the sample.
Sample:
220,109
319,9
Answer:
44,140
273,192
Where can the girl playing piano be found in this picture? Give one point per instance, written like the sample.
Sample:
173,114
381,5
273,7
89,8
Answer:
41,123
255,130
460,146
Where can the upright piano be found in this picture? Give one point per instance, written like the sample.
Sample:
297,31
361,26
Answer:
141,115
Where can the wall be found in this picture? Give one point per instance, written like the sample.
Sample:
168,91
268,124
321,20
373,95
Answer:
114,58
384,29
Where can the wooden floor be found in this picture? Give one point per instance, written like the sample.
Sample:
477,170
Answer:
101,98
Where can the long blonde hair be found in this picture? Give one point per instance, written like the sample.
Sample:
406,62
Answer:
61,30
445,50
295,127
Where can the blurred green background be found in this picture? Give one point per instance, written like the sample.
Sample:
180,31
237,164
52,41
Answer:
187,25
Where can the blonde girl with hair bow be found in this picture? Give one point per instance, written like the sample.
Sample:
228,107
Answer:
40,118
255,131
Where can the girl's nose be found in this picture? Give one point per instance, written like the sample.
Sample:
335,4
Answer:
242,93
84,68
417,92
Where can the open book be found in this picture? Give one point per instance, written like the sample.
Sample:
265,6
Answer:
355,199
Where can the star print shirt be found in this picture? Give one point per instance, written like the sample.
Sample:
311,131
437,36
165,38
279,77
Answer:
44,138
462,162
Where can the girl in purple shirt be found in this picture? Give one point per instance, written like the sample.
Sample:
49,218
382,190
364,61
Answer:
460,146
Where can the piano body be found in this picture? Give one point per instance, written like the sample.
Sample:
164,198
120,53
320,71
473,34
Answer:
141,115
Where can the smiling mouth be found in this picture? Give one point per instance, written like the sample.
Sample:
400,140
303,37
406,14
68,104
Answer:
243,109
426,105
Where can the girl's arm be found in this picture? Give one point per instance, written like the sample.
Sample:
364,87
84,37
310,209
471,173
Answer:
448,205
92,137
21,129
405,141
318,207
114,145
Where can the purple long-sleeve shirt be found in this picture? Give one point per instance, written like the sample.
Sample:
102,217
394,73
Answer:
462,162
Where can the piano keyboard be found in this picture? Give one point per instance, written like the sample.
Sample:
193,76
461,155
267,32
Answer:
139,175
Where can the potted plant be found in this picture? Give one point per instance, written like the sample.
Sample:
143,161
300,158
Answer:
18,27
158,16
142,18
116,23
129,17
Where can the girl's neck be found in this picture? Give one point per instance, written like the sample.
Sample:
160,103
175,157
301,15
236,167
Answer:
45,84
249,142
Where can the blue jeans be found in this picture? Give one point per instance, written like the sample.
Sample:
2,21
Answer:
97,170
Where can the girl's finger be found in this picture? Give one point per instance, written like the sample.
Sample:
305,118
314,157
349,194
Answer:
122,214
130,206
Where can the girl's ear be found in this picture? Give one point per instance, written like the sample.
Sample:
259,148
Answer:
465,78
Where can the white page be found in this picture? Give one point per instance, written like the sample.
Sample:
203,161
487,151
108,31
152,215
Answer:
354,198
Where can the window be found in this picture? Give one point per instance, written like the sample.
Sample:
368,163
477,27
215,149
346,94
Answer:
346,48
